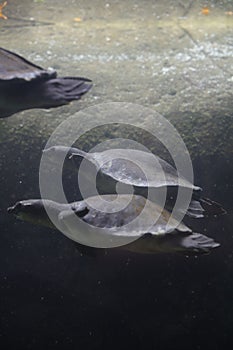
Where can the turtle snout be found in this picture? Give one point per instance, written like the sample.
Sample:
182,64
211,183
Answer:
15,209
49,150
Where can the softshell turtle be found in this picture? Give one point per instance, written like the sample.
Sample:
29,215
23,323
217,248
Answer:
139,169
164,235
24,85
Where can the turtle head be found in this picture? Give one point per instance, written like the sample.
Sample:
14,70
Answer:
57,151
59,154
70,155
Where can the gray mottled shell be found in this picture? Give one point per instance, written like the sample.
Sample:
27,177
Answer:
138,168
108,217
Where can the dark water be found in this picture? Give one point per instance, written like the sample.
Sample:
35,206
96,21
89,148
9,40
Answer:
53,297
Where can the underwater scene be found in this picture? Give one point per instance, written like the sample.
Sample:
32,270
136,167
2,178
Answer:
116,174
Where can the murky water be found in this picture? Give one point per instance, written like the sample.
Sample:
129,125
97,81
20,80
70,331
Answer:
165,55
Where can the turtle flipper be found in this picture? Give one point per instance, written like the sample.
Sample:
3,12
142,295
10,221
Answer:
195,210
211,207
194,244
185,243
60,91
204,207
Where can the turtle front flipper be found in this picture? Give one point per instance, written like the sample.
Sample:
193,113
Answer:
60,91
24,85
40,94
175,242
190,244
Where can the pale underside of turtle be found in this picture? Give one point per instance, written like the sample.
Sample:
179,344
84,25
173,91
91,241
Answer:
24,85
140,169
119,227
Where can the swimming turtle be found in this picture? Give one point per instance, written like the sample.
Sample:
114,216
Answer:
164,235
139,169
24,85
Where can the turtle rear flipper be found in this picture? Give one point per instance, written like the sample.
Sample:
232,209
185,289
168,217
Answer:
195,210
204,207
211,208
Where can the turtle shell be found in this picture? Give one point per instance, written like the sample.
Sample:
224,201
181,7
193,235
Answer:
136,167
14,68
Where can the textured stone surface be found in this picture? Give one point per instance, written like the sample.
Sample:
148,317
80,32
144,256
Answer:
167,57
